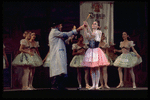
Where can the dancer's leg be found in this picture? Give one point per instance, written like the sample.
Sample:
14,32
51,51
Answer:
31,75
79,77
86,77
101,77
133,77
105,76
25,78
93,76
97,71
120,77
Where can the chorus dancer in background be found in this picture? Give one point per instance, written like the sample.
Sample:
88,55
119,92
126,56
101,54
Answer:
5,61
94,56
35,58
79,49
24,59
127,59
103,74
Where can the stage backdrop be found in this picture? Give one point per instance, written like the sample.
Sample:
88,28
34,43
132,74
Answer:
103,12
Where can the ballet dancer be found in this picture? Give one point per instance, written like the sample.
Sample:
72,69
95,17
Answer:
103,74
94,56
127,59
24,59
36,58
79,49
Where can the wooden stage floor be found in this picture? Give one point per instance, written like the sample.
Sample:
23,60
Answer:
84,89
124,92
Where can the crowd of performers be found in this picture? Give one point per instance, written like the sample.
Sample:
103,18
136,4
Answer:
93,56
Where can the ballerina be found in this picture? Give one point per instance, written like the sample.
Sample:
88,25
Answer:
36,58
103,74
127,59
24,59
94,56
79,49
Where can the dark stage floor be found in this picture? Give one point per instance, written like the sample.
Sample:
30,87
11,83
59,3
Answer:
124,92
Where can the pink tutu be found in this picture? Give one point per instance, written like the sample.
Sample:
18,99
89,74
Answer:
94,58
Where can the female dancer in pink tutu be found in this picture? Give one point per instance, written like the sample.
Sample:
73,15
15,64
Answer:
94,56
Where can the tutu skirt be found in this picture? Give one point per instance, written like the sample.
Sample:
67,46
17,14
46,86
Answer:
109,60
94,58
36,60
47,62
24,59
76,61
127,60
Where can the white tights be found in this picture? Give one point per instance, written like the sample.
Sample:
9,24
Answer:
95,74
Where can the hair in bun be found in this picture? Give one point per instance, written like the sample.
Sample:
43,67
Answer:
25,33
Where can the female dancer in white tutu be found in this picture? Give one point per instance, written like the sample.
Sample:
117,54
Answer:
35,58
5,61
127,59
24,59
94,56
103,74
79,49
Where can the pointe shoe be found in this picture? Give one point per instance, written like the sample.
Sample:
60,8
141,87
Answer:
134,86
79,88
26,88
120,85
107,86
97,88
92,88
101,87
87,86
32,88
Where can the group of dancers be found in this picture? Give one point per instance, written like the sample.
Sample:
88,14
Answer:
93,56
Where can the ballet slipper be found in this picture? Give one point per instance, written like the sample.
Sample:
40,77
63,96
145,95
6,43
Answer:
107,86
120,85
32,87
87,86
134,86
26,88
97,88
101,87
92,88
79,87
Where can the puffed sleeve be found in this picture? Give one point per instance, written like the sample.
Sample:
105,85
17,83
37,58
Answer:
132,44
98,35
86,46
37,44
23,42
120,44
74,46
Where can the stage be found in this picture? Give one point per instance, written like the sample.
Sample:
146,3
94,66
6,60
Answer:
124,92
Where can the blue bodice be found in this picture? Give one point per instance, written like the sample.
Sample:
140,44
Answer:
93,44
